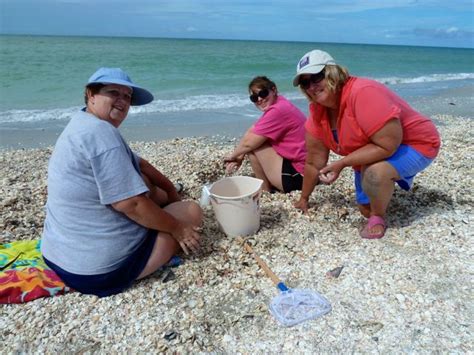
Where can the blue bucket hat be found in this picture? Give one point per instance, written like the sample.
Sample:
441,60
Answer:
117,76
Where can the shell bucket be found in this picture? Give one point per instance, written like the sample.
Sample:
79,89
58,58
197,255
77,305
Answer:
235,201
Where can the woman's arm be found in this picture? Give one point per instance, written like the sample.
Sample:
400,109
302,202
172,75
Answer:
147,213
383,144
249,142
159,180
316,158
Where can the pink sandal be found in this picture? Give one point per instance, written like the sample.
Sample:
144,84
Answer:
372,222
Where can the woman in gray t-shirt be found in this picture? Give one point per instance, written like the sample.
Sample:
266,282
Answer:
111,216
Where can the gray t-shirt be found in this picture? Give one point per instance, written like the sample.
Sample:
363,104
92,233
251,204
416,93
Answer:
91,167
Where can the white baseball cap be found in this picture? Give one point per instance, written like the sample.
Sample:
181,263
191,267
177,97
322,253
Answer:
312,63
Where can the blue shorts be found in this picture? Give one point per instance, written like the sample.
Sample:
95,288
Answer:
113,282
406,161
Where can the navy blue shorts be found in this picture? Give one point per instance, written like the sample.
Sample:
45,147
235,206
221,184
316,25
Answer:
290,178
113,282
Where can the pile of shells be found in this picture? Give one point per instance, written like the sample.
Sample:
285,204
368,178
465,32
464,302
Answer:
408,292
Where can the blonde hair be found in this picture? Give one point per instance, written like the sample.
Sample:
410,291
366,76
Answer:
336,76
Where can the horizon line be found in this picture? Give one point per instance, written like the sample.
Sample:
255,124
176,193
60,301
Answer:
226,39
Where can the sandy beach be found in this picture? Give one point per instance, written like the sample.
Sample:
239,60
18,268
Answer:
410,292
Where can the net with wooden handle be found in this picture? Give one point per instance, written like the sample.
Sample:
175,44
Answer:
293,306
263,265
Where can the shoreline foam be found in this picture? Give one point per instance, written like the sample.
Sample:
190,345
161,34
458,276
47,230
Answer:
151,127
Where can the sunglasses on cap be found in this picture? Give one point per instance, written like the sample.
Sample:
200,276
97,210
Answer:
305,83
262,94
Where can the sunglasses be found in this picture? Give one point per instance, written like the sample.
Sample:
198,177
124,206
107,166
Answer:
305,83
262,94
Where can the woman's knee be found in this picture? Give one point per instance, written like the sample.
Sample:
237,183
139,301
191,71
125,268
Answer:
378,173
188,211
195,212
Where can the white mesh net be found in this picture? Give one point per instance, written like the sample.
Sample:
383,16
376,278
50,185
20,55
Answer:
295,306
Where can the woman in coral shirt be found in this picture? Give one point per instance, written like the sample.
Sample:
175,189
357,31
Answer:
378,133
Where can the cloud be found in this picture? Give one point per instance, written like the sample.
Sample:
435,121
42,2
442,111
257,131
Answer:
445,33
433,22
452,30
343,6
458,5
247,7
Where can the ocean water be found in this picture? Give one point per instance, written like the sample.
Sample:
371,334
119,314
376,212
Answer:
42,77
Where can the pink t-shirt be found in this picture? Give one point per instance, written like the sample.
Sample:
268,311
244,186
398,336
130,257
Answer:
283,124
366,106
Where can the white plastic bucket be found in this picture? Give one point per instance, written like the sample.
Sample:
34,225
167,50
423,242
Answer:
235,201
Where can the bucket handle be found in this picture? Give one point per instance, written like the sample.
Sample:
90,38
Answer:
255,198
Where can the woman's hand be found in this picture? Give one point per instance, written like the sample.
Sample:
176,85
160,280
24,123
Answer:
302,204
188,237
249,142
232,164
330,172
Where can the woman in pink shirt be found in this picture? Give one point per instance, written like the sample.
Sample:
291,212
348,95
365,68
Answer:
275,144
378,133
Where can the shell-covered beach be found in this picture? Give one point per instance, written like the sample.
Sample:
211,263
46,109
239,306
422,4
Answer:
410,292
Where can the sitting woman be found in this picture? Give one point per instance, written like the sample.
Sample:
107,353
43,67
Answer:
111,217
275,144
376,132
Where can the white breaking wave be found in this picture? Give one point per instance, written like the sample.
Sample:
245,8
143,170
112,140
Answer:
37,115
193,103
201,102
426,78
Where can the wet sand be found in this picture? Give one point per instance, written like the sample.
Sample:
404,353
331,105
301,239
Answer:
456,102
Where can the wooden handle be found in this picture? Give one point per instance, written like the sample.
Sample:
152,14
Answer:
263,265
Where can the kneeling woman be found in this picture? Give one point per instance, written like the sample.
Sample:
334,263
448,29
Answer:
275,144
376,132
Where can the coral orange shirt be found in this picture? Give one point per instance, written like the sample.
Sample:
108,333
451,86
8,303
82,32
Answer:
366,106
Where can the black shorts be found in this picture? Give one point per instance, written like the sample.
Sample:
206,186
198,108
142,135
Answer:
113,282
290,178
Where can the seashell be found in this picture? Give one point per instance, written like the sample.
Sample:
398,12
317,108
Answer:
170,335
407,283
371,327
335,272
168,275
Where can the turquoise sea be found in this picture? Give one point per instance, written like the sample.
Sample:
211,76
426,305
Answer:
42,77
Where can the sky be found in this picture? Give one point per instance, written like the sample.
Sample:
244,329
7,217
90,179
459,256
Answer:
440,23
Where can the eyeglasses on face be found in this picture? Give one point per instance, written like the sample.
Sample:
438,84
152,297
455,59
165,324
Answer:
116,94
306,82
262,94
